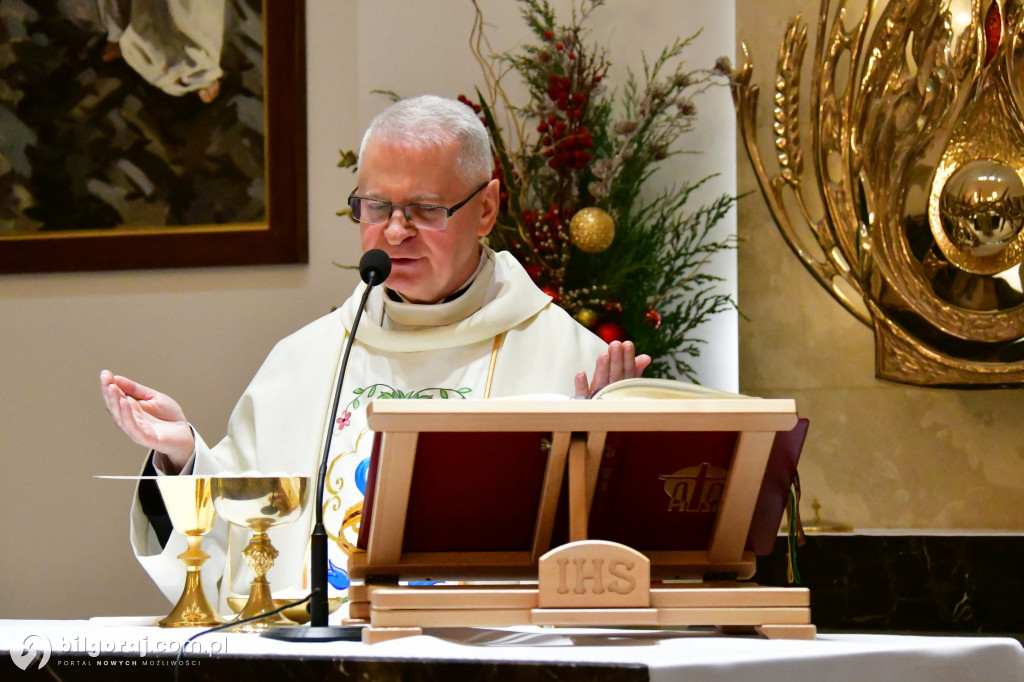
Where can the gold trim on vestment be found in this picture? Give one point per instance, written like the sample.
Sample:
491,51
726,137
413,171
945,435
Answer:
490,368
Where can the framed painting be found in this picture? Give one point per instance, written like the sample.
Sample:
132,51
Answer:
152,134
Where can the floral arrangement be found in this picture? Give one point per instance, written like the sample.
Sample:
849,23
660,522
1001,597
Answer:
573,161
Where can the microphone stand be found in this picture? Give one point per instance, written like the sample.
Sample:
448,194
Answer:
371,267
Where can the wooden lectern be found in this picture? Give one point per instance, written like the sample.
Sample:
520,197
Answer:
612,512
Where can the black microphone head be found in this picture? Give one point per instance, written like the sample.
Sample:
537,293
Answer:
374,267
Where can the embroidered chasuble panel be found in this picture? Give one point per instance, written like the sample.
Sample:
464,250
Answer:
447,374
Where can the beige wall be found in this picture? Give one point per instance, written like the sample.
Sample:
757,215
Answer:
199,335
879,455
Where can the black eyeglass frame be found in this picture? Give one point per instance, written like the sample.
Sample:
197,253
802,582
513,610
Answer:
405,207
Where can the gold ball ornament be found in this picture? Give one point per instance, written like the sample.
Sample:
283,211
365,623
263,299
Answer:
592,230
587,317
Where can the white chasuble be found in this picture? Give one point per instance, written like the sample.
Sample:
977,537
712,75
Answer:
445,374
438,352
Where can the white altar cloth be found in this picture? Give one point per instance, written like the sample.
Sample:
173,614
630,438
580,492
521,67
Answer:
667,654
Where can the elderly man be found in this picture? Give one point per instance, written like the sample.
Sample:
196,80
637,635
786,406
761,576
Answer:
454,321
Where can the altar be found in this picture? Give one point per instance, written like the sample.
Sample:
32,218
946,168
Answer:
678,603
128,648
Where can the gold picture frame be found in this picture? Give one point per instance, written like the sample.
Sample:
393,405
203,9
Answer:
279,236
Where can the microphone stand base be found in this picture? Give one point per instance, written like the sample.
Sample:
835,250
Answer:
326,633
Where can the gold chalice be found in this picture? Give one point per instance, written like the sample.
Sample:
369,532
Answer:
189,503
296,615
260,503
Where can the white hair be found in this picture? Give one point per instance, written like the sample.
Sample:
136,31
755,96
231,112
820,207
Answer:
436,122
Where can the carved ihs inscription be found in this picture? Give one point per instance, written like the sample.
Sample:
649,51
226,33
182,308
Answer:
584,574
594,573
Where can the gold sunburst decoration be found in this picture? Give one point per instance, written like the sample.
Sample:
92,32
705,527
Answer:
913,220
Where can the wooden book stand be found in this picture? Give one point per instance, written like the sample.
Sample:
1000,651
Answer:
651,527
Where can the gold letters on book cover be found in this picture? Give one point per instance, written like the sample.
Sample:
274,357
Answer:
695,489
914,223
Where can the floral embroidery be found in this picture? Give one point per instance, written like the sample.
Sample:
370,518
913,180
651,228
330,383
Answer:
362,471
385,392
340,473
337,577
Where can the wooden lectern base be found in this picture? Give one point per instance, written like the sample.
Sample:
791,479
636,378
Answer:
589,583
775,613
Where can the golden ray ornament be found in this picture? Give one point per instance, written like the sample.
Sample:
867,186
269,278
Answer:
914,219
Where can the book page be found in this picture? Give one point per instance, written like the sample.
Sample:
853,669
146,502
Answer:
643,388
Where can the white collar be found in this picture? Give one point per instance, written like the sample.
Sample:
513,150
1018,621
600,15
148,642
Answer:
405,315
501,297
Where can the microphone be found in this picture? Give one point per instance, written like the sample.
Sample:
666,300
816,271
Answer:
374,268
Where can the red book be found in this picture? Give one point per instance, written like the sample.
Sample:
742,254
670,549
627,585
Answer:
474,492
480,491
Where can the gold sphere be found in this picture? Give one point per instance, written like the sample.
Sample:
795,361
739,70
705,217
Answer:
587,317
592,230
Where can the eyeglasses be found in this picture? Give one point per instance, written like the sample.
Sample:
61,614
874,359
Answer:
422,216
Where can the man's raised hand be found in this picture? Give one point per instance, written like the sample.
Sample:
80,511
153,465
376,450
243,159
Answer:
619,362
150,418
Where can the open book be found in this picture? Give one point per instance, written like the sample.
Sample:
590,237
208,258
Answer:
640,388
644,389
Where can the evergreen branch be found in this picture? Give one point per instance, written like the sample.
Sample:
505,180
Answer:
575,143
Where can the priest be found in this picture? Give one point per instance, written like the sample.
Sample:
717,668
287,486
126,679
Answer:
454,321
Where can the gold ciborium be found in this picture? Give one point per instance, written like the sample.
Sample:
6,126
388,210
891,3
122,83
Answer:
189,503
260,503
